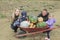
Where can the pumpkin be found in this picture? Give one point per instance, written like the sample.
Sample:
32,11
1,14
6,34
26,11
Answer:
25,24
41,25
32,19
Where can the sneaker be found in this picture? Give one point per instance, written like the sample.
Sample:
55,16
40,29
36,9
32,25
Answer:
15,31
47,38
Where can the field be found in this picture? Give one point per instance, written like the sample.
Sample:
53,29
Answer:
33,7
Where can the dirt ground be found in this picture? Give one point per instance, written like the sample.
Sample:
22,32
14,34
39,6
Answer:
6,32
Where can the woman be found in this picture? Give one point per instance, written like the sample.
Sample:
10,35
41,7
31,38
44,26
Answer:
44,14
20,21
15,16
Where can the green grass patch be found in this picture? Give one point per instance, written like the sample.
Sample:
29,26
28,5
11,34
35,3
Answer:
2,15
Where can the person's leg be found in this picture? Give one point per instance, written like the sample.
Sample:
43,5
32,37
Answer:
15,29
48,35
22,31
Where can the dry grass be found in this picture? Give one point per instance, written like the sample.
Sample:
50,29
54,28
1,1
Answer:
31,6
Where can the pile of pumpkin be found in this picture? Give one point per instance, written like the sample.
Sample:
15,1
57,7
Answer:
33,22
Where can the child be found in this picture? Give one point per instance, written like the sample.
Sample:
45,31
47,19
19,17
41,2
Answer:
50,23
23,16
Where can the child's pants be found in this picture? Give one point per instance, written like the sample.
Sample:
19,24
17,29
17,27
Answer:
48,33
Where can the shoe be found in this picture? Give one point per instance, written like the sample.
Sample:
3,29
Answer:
47,38
15,31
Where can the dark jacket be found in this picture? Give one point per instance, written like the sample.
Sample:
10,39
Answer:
23,16
17,20
45,18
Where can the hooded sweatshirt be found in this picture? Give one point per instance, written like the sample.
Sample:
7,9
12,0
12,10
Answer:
51,22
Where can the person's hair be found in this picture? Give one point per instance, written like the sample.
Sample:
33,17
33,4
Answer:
51,15
45,9
16,9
